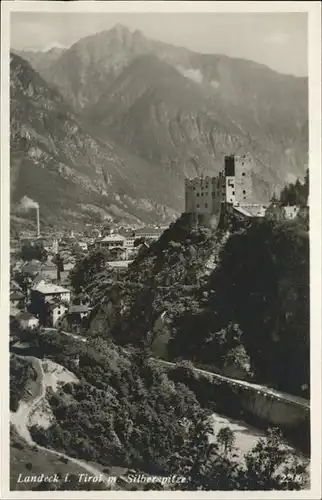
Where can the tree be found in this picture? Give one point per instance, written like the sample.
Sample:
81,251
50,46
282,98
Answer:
33,252
139,241
270,465
226,439
88,268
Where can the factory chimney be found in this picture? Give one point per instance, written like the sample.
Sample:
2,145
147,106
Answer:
38,222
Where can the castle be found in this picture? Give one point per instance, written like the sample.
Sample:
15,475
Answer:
205,195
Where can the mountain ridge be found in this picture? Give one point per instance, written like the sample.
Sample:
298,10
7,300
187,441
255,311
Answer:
176,113
50,149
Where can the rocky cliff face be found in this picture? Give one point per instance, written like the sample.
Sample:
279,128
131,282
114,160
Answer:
176,113
58,162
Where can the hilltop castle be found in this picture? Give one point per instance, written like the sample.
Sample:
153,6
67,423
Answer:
234,186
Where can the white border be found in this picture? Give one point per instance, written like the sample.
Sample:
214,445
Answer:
314,11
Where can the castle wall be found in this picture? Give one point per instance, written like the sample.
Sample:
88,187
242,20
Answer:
204,195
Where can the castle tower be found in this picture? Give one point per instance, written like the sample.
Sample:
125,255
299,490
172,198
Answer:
230,179
238,174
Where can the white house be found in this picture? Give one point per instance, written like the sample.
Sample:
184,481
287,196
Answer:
112,241
57,312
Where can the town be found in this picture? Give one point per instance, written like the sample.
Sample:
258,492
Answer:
40,288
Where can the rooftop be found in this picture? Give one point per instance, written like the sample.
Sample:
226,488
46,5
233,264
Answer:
14,285
120,263
26,315
148,230
113,237
251,211
16,295
32,267
49,288
14,311
78,308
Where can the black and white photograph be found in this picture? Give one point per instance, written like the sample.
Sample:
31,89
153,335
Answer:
162,198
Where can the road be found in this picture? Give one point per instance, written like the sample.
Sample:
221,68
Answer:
21,420
243,383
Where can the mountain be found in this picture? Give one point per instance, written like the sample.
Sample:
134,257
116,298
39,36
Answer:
183,110
56,160
39,59
169,112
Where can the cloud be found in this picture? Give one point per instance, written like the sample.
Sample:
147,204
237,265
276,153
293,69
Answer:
277,38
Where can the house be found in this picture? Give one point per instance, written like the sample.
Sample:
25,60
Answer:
77,316
82,245
14,312
17,299
291,212
56,312
49,291
275,212
96,233
148,233
112,241
119,264
27,320
49,302
31,268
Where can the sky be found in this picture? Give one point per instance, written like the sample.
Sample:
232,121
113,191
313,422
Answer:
278,40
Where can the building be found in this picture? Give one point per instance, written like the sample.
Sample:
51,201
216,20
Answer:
291,212
56,312
31,268
280,213
81,246
233,186
147,233
120,264
48,291
26,320
49,302
275,212
77,316
17,299
112,241
251,210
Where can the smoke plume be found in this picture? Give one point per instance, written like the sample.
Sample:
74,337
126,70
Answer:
27,203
